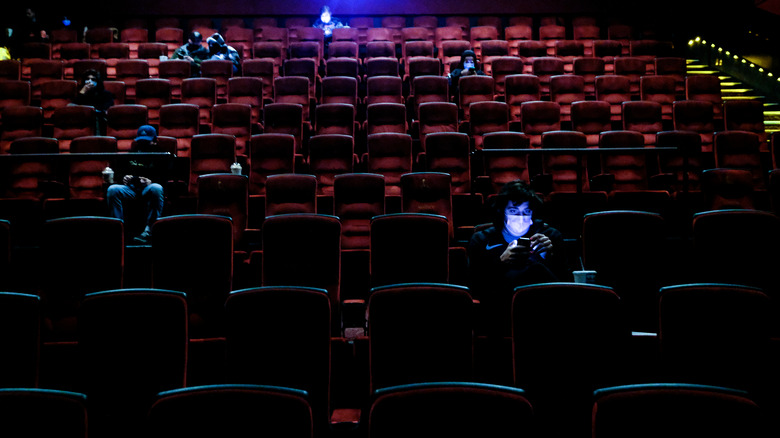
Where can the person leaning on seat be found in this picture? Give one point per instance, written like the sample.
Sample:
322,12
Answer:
139,186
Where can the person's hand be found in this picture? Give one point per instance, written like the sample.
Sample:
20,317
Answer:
188,58
541,244
89,85
144,181
126,180
515,253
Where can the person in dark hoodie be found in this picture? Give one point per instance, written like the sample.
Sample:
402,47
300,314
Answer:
193,51
516,250
219,49
467,66
92,92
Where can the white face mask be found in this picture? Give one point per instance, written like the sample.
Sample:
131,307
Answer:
518,218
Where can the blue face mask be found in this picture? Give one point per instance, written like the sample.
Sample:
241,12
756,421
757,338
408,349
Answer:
468,64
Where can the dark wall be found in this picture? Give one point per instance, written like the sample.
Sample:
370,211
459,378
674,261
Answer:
350,7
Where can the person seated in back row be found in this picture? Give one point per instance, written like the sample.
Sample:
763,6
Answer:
193,51
327,23
92,92
468,66
219,49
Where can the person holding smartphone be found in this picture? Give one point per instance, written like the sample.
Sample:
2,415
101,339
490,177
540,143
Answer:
139,186
468,66
516,250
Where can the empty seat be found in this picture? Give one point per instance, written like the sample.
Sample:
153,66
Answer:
502,67
740,150
684,162
45,411
115,342
248,91
233,119
71,122
436,117
20,122
674,409
55,94
180,120
122,123
14,93
357,197
330,155
697,116
390,155
130,71
699,322
221,70
675,67
633,68
589,68
745,115
640,258
176,71
210,153
474,89
153,93
225,194
282,234
273,154
449,152
285,118
201,268
264,70
661,89
10,69
705,88
539,117
295,90
384,89
396,311
644,117
335,118
427,88
521,88
614,89
339,89
201,92
490,116
568,168
385,117
100,246
566,322
451,409
591,117
504,158
627,167
565,90
290,193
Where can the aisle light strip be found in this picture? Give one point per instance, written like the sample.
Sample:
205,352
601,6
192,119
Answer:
699,40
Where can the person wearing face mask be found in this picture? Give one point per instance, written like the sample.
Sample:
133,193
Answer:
516,250
468,66
219,49
193,51
92,92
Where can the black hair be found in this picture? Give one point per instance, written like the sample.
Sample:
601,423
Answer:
98,78
517,191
